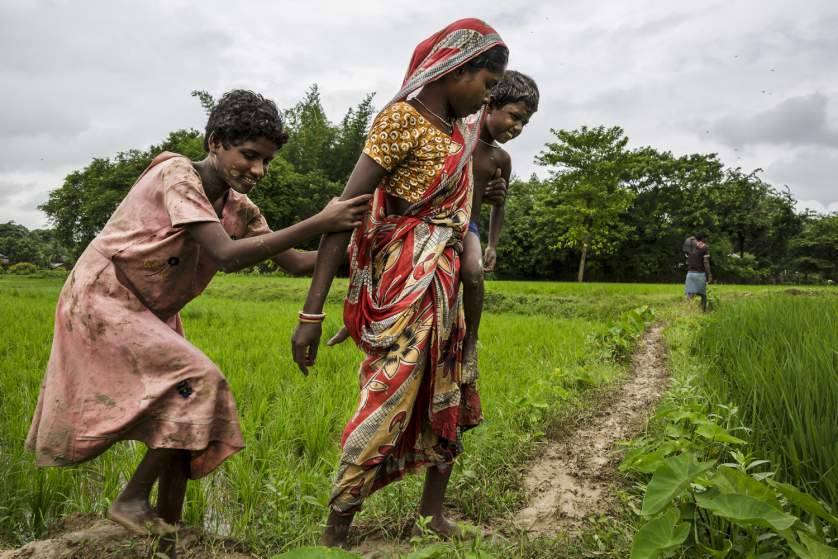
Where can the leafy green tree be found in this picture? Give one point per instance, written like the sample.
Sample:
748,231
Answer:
17,245
349,140
311,135
738,203
286,196
207,101
815,250
587,197
526,250
670,203
38,247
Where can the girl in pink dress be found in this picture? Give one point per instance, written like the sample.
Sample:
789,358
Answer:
120,368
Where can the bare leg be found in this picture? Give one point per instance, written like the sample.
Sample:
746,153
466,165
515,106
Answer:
132,508
172,488
471,273
337,530
436,482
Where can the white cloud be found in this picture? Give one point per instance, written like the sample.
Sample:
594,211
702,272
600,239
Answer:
795,121
83,83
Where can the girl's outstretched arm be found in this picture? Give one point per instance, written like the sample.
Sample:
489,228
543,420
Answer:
296,262
230,255
366,175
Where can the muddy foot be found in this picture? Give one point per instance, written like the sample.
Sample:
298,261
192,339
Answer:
138,518
440,526
336,536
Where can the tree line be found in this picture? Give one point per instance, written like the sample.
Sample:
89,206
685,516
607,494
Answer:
604,212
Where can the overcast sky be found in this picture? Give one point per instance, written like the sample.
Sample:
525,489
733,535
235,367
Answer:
754,81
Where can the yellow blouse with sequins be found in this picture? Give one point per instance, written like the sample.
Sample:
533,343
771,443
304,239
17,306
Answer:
410,148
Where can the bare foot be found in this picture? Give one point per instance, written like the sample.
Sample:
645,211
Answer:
167,546
440,526
336,537
137,517
336,533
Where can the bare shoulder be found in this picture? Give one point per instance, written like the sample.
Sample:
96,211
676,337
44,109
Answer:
505,160
487,160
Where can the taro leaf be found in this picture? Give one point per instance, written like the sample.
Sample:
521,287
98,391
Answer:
803,501
659,535
742,509
730,480
716,433
647,460
816,549
670,480
643,461
691,416
717,553
317,552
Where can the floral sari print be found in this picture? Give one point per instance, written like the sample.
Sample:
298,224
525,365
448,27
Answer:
403,307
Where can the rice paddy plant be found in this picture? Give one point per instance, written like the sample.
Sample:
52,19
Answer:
273,495
776,358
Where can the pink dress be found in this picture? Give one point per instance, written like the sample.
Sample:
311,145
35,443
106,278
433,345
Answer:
120,368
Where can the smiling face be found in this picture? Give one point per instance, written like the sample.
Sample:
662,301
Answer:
241,166
468,90
507,121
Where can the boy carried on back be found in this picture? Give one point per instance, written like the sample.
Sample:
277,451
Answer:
513,102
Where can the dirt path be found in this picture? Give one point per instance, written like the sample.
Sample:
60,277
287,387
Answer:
91,537
570,480
568,483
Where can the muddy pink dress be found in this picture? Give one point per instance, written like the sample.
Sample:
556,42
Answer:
120,368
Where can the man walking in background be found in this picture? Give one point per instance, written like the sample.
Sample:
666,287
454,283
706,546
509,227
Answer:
697,252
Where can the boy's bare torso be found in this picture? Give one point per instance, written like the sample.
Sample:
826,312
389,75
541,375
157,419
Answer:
487,160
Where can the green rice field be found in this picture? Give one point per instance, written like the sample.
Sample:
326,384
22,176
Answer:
542,360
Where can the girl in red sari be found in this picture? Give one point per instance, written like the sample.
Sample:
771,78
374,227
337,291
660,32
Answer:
403,307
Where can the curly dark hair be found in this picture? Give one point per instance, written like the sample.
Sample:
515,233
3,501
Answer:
494,60
515,87
241,115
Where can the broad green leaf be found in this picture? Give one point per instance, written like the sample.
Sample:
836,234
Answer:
670,480
713,432
644,462
317,552
730,480
816,549
717,553
745,510
803,501
659,535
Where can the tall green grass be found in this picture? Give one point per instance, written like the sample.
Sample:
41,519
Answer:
777,359
273,495
537,363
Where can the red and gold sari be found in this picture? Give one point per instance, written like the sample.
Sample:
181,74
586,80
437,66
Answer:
403,308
